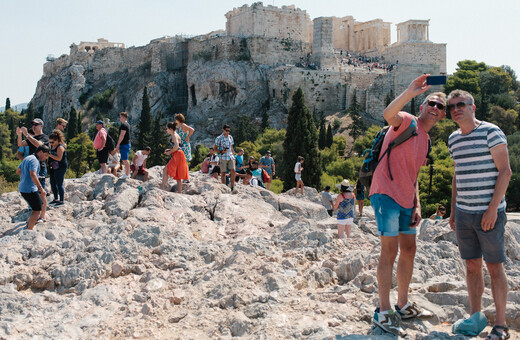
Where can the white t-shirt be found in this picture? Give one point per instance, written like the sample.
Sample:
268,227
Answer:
213,159
114,160
297,167
139,158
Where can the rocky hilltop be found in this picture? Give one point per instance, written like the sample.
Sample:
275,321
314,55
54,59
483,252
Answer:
124,259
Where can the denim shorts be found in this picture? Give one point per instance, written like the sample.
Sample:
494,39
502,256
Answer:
475,243
298,177
124,149
391,218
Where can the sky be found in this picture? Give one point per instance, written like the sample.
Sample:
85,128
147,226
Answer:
481,30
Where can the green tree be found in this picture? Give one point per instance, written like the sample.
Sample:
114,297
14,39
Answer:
29,115
145,123
301,140
442,130
72,126
5,143
244,130
322,137
200,154
7,104
330,136
159,143
81,154
505,119
357,127
265,121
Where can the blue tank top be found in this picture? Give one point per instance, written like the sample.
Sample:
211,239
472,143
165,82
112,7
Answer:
346,208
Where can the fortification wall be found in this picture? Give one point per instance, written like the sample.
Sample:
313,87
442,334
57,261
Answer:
286,22
426,53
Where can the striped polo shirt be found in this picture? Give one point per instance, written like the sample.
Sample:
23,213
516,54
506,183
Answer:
476,173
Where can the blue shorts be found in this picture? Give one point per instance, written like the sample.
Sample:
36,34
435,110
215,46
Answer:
298,177
391,218
475,242
124,150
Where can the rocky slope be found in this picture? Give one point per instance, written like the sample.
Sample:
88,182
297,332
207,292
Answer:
124,259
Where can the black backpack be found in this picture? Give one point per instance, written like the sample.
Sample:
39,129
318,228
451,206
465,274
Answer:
373,157
109,144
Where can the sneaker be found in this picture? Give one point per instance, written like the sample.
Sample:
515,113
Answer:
388,321
59,203
412,311
124,176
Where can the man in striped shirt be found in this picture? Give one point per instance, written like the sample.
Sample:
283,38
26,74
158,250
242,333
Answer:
482,173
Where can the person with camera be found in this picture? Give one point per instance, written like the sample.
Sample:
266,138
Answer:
33,142
394,195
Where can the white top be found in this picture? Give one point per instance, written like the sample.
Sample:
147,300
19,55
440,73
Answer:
139,158
297,167
114,160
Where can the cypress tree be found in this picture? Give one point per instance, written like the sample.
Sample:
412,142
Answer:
265,121
159,143
7,104
330,137
78,127
357,127
145,122
412,107
301,140
322,139
72,127
29,114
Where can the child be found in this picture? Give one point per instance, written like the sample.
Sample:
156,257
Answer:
298,175
114,162
344,205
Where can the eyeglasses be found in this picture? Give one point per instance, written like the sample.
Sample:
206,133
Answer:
459,105
227,130
439,105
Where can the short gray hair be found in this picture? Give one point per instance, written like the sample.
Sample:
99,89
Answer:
461,94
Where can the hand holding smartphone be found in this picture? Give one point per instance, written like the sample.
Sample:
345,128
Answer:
436,80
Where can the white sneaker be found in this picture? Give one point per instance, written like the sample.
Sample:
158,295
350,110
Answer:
124,176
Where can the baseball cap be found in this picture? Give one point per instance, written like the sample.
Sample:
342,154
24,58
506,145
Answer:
268,152
37,121
100,122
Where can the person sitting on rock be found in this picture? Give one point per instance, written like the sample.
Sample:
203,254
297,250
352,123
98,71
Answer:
439,214
138,166
214,168
114,162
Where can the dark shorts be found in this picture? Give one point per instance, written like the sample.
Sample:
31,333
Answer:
33,199
216,170
475,243
102,155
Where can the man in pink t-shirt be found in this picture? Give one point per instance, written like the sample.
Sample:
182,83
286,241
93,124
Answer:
100,146
394,195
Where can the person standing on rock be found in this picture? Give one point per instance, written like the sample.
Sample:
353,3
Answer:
394,195
61,124
184,131
100,145
58,166
360,196
177,167
327,201
224,145
123,143
33,142
345,204
267,162
482,174
30,187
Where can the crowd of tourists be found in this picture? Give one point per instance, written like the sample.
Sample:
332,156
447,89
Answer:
482,174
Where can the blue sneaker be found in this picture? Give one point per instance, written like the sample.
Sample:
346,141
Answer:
389,321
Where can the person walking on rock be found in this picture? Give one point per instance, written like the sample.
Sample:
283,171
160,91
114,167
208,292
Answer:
30,187
177,167
298,175
482,174
360,197
123,143
394,195
345,204
224,145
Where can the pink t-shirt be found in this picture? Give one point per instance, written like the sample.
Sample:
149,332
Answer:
98,141
405,162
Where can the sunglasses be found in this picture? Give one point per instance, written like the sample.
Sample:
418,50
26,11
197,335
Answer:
439,105
459,105
227,130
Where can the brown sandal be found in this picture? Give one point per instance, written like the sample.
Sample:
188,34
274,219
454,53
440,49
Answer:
502,332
